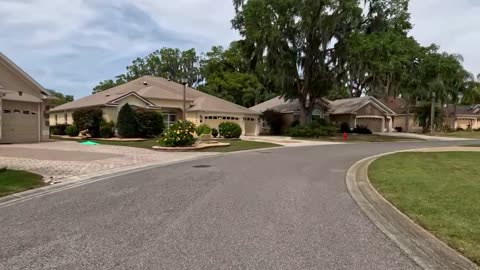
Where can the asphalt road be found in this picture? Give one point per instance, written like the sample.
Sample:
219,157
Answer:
273,209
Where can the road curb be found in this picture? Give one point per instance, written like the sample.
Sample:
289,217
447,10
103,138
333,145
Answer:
420,245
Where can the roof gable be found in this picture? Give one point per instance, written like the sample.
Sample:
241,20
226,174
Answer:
22,74
116,101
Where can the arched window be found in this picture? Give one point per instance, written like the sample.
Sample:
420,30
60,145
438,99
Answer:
317,115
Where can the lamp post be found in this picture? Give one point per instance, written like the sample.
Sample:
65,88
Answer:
184,82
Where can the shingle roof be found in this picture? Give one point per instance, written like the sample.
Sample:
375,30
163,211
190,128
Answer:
277,103
157,88
341,106
463,110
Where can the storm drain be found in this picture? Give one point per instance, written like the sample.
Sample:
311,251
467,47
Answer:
201,166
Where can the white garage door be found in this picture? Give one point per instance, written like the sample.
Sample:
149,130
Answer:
250,126
19,122
374,124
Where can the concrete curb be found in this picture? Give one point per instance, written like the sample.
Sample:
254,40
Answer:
420,245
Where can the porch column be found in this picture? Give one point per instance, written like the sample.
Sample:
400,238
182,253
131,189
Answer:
383,124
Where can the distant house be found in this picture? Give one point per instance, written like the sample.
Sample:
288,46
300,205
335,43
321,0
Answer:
462,116
165,96
363,111
23,105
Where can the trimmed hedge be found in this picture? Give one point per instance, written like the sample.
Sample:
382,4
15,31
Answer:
203,129
312,130
59,130
150,123
214,132
230,130
72,131
107,129
180,134
127,122
89,119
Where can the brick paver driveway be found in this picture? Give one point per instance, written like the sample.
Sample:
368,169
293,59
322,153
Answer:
66,161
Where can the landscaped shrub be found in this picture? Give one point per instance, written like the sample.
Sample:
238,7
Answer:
214,132
399,129
179,134
150,123
59,130
127,122
362,130
345,127
459,129
107,129
230,130
274,120
203,129
448,129
89,119
72,131
312,130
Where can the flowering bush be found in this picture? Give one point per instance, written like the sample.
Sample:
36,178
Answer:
203,129
230,130
178,135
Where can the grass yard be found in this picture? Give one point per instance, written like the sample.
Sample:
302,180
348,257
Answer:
439,191
462,134
360,138
17,181
235,145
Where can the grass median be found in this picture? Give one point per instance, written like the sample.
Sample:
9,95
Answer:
439,191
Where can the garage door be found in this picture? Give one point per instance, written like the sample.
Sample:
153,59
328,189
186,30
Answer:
19,122
250,126
374,124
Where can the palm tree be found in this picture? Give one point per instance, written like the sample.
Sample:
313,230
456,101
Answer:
471,94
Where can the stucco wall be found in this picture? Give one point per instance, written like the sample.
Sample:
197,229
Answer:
400,120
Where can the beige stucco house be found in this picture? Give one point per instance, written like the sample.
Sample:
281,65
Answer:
165,96
23,105
363,111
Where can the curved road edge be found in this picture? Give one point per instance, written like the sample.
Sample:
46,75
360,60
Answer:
420,245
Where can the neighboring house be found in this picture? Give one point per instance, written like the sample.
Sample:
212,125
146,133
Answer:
165,96
363,111
466,116
399,106
23,105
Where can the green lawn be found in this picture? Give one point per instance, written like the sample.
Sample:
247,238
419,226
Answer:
440,191
462,134
360,138
17,181
235,145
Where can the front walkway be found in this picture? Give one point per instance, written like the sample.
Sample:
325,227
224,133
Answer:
65,161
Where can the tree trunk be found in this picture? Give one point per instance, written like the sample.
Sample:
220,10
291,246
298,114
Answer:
407,116
454,115
305,115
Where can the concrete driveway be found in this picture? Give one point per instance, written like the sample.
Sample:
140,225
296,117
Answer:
67,161
282,208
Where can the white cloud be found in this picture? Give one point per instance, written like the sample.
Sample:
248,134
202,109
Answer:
71,45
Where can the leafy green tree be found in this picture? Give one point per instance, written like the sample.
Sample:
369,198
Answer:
471,95
127,122
294,41
61,98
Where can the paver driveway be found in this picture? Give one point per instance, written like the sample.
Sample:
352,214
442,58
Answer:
63,160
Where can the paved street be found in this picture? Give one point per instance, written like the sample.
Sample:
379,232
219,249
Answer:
273,209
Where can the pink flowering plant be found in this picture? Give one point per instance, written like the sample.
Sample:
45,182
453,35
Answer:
179,134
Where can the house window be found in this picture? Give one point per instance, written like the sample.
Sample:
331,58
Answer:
169,118
7,111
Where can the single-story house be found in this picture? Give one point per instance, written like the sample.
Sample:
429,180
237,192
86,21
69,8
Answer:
23,105
466,116
362,111
399,106
166,97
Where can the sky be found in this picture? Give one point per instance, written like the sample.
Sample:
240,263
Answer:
71,45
